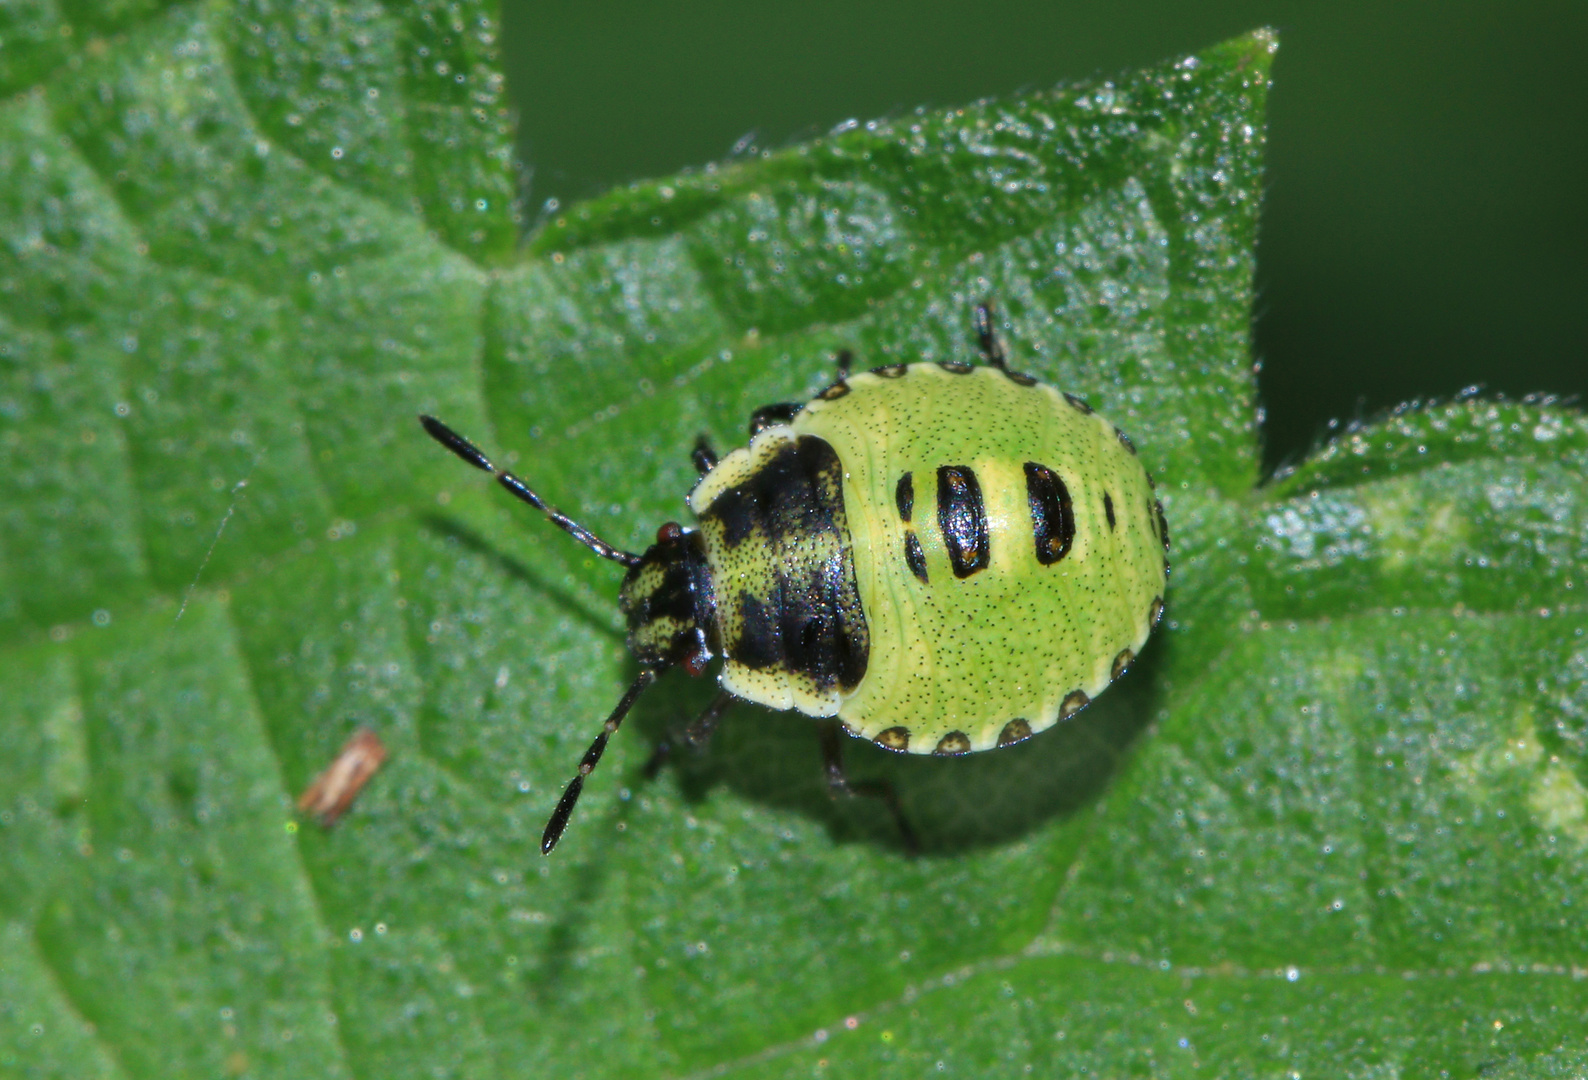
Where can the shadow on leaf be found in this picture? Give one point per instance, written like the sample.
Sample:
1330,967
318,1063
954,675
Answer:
453,530
774,759
953,804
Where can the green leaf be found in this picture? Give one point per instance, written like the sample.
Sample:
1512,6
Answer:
1334,822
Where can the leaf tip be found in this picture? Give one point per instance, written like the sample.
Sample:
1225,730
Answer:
1251,52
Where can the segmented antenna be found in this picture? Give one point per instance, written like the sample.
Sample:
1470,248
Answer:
570,794
471,453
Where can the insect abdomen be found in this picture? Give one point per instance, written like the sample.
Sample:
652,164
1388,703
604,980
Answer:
1006,553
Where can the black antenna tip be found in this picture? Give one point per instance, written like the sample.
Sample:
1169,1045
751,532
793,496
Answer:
560,816
456,443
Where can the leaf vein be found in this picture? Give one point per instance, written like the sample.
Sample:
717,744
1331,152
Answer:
62,989
311,889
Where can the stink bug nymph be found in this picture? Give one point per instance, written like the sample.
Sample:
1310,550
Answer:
942,558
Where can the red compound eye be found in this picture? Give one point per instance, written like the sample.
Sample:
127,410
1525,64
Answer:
695,663
671,531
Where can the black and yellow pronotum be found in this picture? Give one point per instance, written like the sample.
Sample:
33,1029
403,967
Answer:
940,557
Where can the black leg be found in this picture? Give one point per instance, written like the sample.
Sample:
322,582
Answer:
838,782
695,736
767,415
845,358
698,734
992,350
704,457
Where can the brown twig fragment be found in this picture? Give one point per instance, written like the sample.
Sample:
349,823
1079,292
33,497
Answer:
334,790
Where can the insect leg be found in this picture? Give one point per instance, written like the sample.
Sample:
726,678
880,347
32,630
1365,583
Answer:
992,350
698,734
767,415
838,783
844,359
695,736
704,457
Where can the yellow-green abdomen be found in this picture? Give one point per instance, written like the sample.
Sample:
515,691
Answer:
1008,552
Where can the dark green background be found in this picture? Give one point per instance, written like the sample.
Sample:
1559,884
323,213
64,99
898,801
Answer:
1425,225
